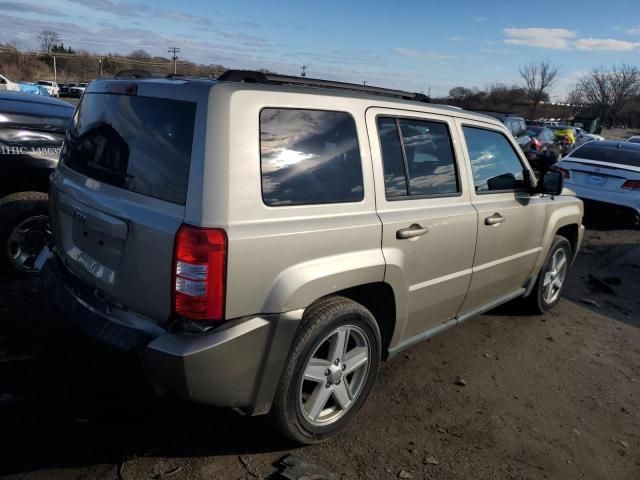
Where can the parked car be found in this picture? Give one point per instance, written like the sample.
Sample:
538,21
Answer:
64,89
6,84
606,172
551,124
52,87
542,138
263,245
31,135
77,90
33,89
516,125
634,139
582,136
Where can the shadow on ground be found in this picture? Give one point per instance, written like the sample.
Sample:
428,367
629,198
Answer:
85,405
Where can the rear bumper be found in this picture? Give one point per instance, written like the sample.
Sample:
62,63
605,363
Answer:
620,199
237,365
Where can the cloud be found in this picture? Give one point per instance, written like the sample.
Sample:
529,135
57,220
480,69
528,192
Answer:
456,38
185,17
554,38
408,52
28,8
591,44
117,8
633,31
563,39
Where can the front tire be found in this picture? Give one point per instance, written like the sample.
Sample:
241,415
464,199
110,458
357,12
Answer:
330,370
552,277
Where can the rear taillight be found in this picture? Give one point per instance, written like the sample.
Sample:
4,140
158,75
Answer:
565,173
631,185
200,265
536,144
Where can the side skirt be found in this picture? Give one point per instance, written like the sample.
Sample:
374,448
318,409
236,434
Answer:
409,342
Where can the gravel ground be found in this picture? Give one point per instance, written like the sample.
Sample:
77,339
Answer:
554,396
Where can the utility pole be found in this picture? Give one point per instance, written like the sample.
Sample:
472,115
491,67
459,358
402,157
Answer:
100,62
304,71
175,51
55,70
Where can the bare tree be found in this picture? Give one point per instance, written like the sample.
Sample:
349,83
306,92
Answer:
608,90
139,55
574,97
575,101
538,78
47,39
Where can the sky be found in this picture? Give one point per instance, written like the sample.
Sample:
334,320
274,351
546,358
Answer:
423,46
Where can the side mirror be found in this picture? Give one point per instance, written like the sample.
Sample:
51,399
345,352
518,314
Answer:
551,183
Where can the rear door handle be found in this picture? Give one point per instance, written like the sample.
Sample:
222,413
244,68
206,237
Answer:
415,230
494,219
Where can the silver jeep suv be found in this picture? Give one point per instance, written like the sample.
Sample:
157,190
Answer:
264,241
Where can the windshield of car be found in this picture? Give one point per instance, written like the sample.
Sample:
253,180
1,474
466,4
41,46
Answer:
46,84
634,140
608,152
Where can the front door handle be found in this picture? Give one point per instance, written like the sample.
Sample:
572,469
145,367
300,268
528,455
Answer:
494,219
415,230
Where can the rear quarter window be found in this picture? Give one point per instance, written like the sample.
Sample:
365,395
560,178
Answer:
309,157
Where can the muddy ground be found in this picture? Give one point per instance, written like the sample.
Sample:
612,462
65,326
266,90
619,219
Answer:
554,396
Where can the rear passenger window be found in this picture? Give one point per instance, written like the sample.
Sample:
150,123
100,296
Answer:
494,163
309,157
418,158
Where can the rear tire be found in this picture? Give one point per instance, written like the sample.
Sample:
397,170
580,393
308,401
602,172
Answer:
329,372
552,277
24,231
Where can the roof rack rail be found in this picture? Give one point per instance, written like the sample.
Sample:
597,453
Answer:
250,76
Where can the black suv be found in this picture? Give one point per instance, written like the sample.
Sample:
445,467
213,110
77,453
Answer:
31,135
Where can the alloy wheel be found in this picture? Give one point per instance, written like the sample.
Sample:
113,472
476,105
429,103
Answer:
554,277
335,375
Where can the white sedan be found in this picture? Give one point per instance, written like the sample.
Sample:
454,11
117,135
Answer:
607,172
584,136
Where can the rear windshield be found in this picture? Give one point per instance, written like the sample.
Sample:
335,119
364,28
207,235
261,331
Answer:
611,154
141,144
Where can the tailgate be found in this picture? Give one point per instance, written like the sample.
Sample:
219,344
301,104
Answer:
118,197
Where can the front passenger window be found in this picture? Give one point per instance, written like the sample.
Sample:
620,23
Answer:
494,163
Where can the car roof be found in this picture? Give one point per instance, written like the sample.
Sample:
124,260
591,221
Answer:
30,102
502,116
375,100
612,144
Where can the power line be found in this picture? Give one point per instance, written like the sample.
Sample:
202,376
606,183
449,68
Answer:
175,51
152,63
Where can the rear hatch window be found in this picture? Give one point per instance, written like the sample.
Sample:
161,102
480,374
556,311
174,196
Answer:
141,144
605,153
